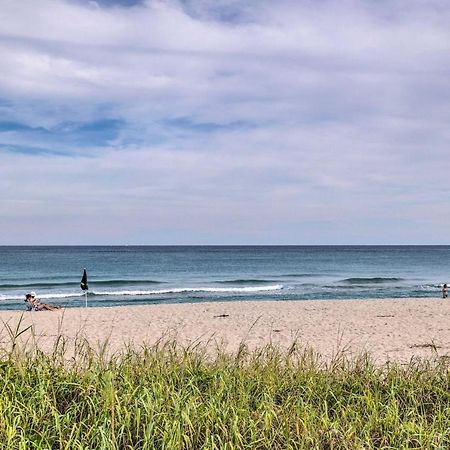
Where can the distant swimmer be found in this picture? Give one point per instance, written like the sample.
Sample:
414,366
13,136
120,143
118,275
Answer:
34,303
444,291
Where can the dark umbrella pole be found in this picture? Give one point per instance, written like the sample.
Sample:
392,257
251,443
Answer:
84,285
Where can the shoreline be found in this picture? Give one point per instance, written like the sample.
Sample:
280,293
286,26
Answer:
387,329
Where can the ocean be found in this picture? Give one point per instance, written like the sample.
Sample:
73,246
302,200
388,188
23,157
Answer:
132,275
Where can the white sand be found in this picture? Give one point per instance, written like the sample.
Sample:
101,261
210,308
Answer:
391,329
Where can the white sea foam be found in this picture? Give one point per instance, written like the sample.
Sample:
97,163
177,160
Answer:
274,287
66,295
43,296
136,293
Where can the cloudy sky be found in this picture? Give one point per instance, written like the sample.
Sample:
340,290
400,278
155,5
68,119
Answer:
225,122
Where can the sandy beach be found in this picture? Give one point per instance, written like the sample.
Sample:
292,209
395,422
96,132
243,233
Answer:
390,330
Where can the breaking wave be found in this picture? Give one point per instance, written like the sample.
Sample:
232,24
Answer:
137,293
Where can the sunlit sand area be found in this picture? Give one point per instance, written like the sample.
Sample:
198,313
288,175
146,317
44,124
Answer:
388,330
235,375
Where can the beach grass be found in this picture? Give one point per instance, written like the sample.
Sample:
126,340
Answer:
167,397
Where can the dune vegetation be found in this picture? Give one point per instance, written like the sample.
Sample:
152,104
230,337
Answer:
166,397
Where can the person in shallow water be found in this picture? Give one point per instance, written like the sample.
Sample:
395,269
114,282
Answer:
444,291
34,303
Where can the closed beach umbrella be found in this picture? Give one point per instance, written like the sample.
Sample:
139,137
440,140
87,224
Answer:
84,285
84,282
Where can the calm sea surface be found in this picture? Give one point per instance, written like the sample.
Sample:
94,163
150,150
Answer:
142,275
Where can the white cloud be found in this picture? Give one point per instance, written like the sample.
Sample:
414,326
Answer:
343,107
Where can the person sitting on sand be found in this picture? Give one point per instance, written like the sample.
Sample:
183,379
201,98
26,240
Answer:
444,291
29,302
38,306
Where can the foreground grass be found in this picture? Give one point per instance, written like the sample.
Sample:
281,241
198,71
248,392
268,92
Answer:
170,398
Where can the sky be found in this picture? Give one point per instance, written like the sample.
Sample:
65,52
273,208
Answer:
224,122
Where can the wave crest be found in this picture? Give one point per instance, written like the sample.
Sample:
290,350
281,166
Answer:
137,293
245,281
371,280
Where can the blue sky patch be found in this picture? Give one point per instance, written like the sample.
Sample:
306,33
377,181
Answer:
31,150
66,137
12,126
187,124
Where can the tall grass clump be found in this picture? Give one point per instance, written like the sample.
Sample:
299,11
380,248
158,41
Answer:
166,397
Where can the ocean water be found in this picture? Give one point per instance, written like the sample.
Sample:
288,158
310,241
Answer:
131,275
